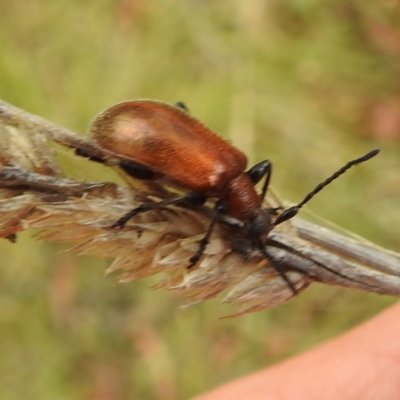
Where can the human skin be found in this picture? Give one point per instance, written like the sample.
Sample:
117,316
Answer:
363,363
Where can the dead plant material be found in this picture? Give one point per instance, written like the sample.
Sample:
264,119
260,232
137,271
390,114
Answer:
35,195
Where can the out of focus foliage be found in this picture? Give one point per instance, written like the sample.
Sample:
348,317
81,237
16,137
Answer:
305,84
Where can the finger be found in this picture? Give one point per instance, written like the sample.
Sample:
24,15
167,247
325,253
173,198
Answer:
361,364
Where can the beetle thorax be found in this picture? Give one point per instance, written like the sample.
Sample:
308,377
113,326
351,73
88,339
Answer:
242,197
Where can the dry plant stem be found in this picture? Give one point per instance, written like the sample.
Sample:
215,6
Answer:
15,116
34,195
14,177
364,253
361,277
352,274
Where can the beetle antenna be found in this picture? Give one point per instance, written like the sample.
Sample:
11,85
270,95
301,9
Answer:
292,211
341,171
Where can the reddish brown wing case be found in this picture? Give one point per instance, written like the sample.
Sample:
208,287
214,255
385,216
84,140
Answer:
170,142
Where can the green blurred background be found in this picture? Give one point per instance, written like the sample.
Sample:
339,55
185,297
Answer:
306,84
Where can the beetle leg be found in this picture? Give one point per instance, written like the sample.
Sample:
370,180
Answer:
258,171
182,106
221,207
277,267
91,157
191,198
137,171
279,245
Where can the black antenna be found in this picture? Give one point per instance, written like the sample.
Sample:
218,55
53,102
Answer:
292,211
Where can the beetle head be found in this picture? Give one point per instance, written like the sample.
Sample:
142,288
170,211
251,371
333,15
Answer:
259,224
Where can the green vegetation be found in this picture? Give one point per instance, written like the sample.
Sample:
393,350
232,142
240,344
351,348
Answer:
306,84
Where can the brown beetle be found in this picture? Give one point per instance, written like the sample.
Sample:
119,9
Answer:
153,139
